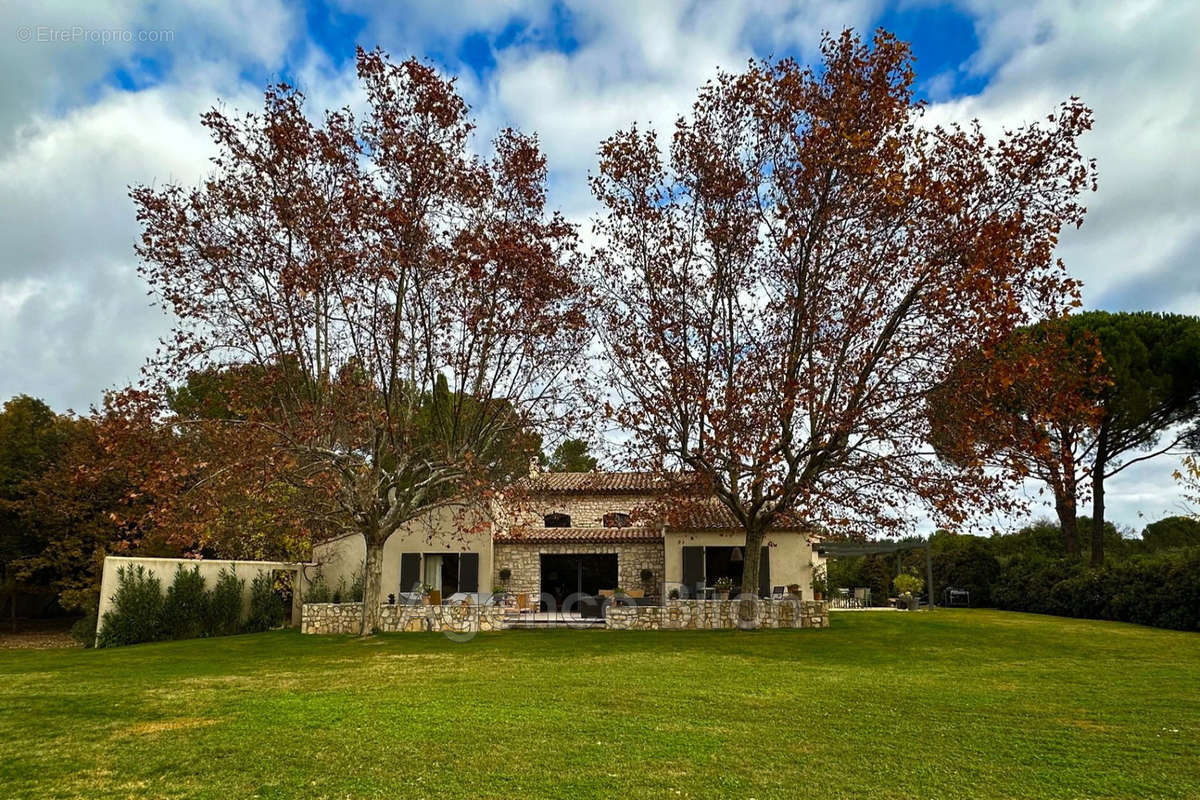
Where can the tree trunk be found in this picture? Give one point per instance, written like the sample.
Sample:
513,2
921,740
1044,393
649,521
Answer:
1098,497
752,555
1067,520
372,585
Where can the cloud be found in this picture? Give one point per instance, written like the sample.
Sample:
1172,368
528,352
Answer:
80,120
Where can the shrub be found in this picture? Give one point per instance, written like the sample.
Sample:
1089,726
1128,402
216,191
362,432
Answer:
136,615
357,587
84,629
318,590
505,574
225,605
908,584
185,610
1161,589
266,609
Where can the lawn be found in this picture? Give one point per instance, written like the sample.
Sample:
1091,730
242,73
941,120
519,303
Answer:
951,704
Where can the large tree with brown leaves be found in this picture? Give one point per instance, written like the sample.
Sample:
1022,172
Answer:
782,287
404,305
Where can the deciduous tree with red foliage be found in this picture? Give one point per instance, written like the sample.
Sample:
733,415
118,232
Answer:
1031,407
782,288
407,306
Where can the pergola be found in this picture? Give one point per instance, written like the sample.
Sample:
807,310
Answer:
866,548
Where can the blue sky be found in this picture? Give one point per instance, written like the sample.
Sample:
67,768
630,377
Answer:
101,94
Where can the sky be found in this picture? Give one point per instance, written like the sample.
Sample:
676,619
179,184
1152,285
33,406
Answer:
99,95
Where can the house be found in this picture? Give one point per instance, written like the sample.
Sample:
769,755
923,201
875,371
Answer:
572,534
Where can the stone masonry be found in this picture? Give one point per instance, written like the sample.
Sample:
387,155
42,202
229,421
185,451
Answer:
347,617
523,558
718,614
585,510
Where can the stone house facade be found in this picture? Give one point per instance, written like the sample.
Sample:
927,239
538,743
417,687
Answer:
563,535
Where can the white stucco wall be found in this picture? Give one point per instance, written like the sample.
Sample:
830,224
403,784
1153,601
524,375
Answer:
792,556
446,530
164,569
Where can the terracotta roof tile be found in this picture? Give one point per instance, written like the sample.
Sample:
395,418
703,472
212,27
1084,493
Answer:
594,482
540,535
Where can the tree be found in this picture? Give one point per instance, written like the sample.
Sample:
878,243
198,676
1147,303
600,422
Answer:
397,305
32,439
1030,407
571,456
779,294
1170,532
1152,403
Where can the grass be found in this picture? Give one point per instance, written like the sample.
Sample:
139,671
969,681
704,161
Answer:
951,704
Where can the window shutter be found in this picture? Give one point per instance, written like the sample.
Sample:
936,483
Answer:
693,567
764,573
410,571
468,572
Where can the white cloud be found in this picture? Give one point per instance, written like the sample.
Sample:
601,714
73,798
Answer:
74,315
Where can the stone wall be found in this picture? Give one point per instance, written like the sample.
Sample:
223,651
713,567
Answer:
585,510
718,614
347,617
524,559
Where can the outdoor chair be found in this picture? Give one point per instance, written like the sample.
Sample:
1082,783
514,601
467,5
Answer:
523,604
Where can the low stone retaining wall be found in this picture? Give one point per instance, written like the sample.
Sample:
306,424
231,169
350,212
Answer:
347,618
717,614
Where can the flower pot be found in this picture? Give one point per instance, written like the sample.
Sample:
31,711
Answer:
722,594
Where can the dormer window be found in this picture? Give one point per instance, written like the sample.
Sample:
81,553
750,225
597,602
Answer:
557,520
616,519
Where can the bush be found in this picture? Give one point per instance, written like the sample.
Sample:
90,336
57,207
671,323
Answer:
318,590
266,609
357,587
908,584
1161,589
225,604
84,630
185,610
136,615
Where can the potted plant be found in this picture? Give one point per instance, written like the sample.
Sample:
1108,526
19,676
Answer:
723,587
391,599
505,574
794,590
673,594
908,587
820,583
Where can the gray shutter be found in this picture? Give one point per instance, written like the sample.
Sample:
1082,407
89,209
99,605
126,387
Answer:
764,573
468,572
410,571
693,567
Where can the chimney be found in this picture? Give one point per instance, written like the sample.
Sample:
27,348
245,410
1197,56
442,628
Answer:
535,468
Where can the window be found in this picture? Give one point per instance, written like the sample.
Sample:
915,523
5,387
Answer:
616,519
557,520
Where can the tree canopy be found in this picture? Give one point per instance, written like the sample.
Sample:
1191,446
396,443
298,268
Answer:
782,284
571,455
404,305
1075,401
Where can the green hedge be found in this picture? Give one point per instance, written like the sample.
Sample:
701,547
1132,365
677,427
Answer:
141,612
1161,589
